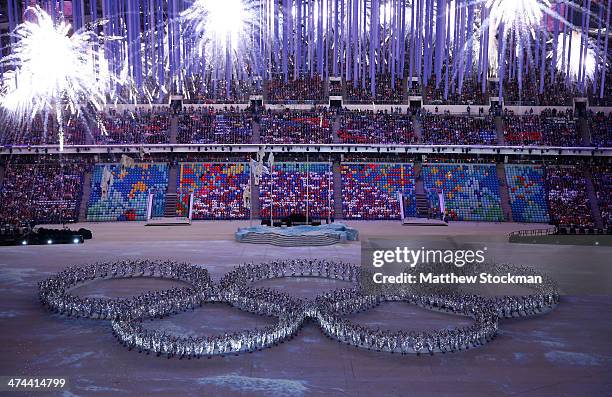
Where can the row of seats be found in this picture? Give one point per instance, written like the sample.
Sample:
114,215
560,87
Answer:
233,126
290,126
602,182
371,191
218,190
458,130
41,193
568,201
295,187
547,129
120,193
526,188
48,193
376,127
204,125
470,191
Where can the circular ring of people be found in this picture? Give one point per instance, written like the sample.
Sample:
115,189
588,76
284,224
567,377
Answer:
329,310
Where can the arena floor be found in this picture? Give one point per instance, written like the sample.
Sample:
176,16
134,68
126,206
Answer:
563,353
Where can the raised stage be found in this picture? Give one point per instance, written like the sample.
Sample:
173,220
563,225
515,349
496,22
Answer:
423,222
298,236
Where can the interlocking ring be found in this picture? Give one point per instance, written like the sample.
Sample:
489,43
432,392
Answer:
328,310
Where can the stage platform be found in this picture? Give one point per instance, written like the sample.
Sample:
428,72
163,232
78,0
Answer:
168,222
423,222
298,236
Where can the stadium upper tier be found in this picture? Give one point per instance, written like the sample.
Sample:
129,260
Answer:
394,126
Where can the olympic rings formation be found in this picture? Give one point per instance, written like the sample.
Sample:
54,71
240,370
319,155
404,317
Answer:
328,310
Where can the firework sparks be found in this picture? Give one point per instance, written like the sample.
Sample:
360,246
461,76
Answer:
572,59
53,73
221,31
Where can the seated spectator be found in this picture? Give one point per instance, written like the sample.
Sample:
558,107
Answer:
600,127
286,188
458,130
218,190
370,190
385,91
46,192
602,182
138,126
207,125
381,127
568,202
294,126
304,88
471,93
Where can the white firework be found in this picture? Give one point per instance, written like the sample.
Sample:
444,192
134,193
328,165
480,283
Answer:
221,30
519,16
574,61
53,73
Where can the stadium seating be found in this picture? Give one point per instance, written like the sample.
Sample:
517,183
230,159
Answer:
602,182
550,128
444,129
290,126
218,190
527,192
568,201
41,193
369,190
123,196
471,191
302,89
139,126
600,126
287,188
385,91
204,125
377,128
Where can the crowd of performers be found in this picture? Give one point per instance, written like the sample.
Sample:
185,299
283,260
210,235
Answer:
328,310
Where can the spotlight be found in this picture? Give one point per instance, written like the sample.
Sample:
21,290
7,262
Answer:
49,241
24,242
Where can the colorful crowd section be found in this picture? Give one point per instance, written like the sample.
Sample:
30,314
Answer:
370,190
120,193
470,191
218,190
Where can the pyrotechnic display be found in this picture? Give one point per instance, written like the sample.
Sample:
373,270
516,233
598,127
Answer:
53,72
57,67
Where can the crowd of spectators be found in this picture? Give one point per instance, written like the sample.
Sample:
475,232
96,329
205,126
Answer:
385,91
45,192
471,93
215,91
45,132
600,126
304,88
602,182
379,127
136,126
458,130
294,126
370,190
550,128
285,187
208,125
218,190
568,202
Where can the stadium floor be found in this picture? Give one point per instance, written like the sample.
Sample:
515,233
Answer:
564,353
